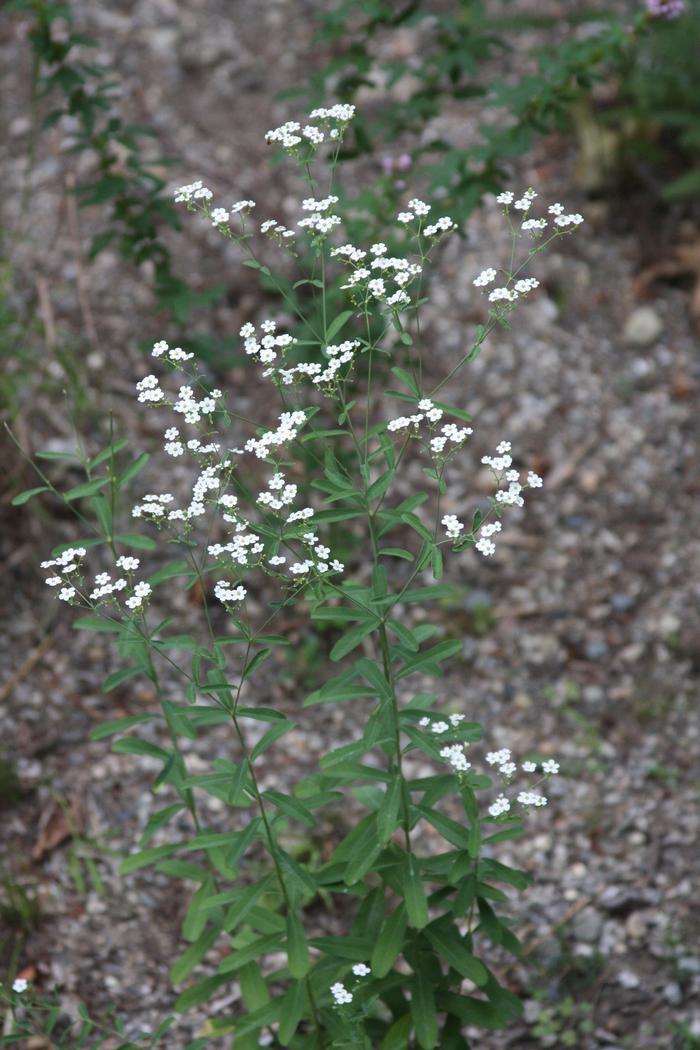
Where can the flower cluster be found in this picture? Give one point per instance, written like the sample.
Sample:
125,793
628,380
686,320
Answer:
363,282
501,466
340,993
66,565
455,755
194,191
289,426
319,221
265,348
516,287
432,413
228,593
142,592
330,122
418,210
326,377
175,354
220,216
507,768
505,497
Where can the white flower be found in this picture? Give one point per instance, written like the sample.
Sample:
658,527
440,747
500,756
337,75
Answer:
225,592
219,216
505,198
534,480
499,758
128,564
507,769
453,526
361,970
424,722
500,806
507,294
485,277
241,206
20,985
550,767
341,994
485,547
526,285
531,798
418,207
439,727
529,767
66,594
405,216
534,224
454,754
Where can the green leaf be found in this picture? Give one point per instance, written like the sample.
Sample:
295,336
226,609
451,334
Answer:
351,639
253,987
107,453
177,568
293,1005
24,497
145,857
388,813
414,894
96,623
448,828
199,993
243,901
448,943
291,807
396,552
253,664
300,881
337,324
273,734
390,942
88,488
133,469
139,543
119,725
408,380
297,948
426,594
423,1009
252,952
397,1036
405,636
193,955
132,745
117,677
159,819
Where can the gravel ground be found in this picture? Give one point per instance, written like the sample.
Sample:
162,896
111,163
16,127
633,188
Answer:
580,637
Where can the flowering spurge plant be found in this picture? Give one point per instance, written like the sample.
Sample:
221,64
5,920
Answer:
415,880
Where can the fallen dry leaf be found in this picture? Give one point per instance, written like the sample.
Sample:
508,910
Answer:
57,823
684,262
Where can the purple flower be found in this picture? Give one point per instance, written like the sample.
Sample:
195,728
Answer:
667,9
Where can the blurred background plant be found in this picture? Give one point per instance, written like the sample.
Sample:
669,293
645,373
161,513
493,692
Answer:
120,176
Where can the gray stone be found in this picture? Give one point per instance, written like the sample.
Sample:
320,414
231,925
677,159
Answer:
587,925
643,327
